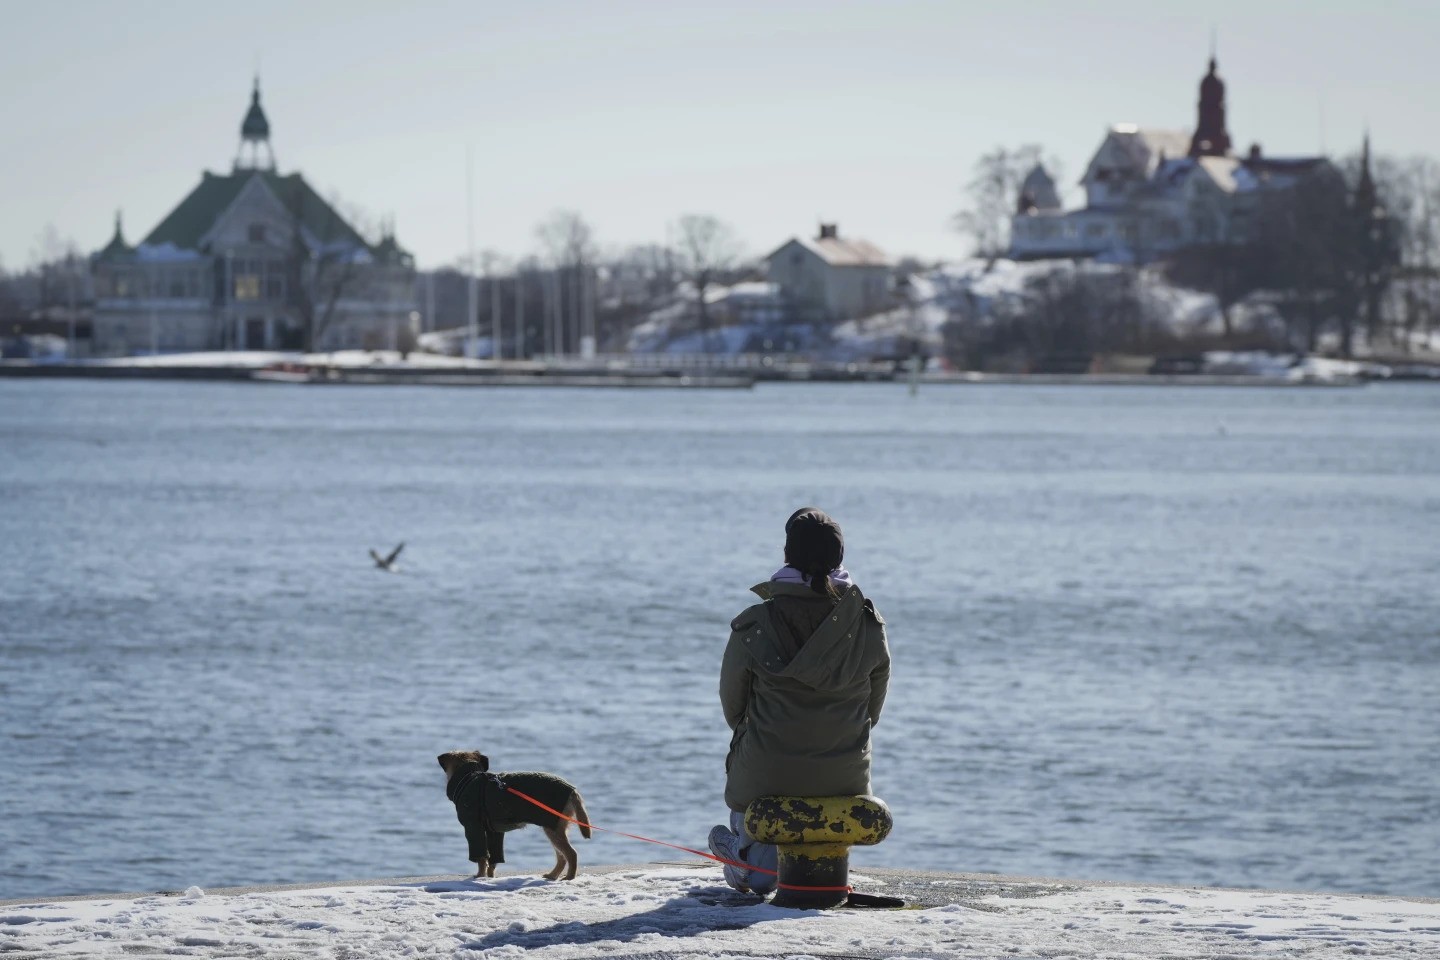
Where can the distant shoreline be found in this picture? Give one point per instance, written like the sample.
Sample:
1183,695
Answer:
651,374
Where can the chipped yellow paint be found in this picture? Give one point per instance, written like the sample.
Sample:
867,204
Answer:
842,821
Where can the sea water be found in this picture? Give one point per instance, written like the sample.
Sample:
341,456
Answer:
1146,634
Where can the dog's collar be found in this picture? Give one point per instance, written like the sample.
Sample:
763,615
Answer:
462,777
468,773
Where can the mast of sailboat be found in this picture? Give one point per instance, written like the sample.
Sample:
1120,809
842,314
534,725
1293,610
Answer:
520,310
493,276
472,306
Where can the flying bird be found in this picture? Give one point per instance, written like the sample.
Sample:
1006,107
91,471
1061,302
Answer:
387,563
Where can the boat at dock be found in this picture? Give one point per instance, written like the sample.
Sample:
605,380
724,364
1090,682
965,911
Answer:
288,373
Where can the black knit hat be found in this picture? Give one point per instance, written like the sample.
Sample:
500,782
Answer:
813,542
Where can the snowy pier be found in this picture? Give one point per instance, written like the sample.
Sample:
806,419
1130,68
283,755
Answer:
683,909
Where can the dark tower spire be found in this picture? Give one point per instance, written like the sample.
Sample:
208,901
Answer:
1211,138
117,248
255,134
1367,197
1378,247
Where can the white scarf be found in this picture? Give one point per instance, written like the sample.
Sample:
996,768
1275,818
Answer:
839,577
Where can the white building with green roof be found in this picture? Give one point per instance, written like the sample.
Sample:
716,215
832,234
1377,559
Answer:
251,260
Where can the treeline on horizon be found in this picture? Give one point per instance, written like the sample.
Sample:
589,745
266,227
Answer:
1327,274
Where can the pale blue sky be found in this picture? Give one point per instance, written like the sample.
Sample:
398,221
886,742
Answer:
769,114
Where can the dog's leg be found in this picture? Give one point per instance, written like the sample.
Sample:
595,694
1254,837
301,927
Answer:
481,866
559,867
566,860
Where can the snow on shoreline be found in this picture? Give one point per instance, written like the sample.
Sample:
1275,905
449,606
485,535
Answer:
686,910
255,359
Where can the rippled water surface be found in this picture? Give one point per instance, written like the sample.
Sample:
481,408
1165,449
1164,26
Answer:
1182,635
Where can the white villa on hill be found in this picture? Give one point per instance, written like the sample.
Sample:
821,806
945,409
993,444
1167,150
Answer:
830,278
251,260
1152,192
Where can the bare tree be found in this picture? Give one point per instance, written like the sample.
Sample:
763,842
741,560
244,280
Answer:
1305,247
1224,268
59,269
1064,315
1380,217
1420,250
567,237
318,280
9,299
321,263
994,189
647,273
705,246
569,244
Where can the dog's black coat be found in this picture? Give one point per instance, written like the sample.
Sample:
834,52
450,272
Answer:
488,811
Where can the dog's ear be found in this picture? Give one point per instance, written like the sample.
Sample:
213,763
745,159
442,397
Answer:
484,761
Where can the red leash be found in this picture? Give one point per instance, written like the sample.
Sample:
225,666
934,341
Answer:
674,846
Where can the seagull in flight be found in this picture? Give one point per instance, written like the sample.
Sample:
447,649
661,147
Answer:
387,563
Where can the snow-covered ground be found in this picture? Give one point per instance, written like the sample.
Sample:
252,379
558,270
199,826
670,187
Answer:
260,358
685,910
208,358
976,288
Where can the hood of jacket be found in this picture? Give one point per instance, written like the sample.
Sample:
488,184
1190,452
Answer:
831,658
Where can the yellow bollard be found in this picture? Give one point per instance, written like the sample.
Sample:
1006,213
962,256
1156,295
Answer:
815,835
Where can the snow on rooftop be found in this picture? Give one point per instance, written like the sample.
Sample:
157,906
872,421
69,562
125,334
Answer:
686,911
1222,171
166,253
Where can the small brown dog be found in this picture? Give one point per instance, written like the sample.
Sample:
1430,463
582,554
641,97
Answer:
488,809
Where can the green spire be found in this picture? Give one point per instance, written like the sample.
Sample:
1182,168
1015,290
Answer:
255,134
255,127
117,248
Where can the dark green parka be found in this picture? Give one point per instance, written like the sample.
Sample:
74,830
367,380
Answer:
802,682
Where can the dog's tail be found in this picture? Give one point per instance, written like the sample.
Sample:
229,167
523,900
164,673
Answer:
576,808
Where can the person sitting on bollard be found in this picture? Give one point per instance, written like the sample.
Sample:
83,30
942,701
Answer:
802,682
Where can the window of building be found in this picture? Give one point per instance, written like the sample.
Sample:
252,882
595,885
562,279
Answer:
247,286
275,280
257,233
